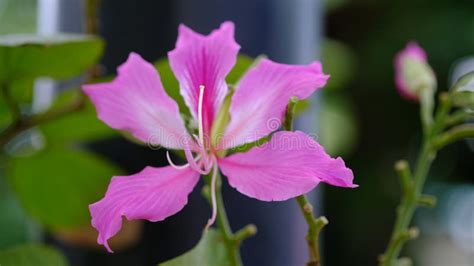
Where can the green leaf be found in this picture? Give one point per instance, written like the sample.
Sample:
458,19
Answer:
171,84
82,125
58,57
243,63
32,255
15,226
21,90
56,185
210,251
5,114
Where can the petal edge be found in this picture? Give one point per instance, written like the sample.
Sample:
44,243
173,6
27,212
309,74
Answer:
289,165
152,194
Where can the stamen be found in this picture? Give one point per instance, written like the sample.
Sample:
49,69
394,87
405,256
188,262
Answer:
201,128
198,140
193,162
179,167
213,197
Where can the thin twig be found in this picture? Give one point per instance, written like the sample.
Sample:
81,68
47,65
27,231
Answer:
24,123
454,134
412,193
315,225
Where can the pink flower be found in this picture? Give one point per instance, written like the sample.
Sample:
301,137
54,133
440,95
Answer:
412,72
290,164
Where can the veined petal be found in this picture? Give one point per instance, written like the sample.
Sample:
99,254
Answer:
136,102
290,164
204,60
153,194
261,98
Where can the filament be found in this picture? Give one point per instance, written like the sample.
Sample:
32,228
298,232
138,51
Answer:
179,167
213,197
193,162
201,128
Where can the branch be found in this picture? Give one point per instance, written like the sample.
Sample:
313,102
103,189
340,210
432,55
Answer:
458,117
454,134
315,225
24,123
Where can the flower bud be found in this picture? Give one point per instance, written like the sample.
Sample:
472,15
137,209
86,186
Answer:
413,73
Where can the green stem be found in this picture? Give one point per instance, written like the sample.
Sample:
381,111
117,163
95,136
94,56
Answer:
413,186
23,123
91,14
405,210
315,225
454,134
231,241
426,109
458,117
224,226
244,233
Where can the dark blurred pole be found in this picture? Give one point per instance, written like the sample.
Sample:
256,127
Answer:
287,32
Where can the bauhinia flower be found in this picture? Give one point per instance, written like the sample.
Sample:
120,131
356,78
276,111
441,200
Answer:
413,74
288,165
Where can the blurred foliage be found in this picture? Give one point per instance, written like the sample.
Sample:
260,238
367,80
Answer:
56,185
333,4
59,56
210,251
339,127
29,255
338,131
80,126
339,62
5,114
21,90
15,227
17,16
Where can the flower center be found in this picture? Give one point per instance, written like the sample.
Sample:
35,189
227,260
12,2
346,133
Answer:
203,162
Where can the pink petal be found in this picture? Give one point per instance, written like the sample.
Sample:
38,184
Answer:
412,50
261,98
136,102
204,60
290,164
153,194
